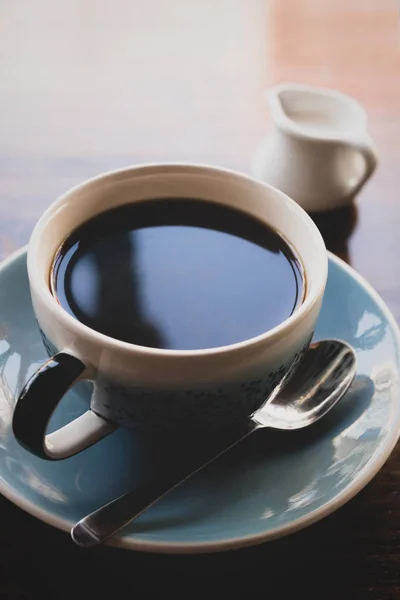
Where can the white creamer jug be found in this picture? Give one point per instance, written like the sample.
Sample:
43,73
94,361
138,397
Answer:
319,151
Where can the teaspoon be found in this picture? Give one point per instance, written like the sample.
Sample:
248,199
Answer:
320,381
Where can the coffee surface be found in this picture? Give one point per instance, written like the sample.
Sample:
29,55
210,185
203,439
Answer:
178,274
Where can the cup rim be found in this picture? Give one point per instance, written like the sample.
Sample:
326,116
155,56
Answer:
78,328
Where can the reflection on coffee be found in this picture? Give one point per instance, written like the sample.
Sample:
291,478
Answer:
179,274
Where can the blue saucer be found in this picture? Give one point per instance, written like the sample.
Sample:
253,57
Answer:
276,483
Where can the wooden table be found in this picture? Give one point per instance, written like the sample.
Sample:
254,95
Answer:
86,86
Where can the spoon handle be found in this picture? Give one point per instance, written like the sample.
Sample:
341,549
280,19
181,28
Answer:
106,521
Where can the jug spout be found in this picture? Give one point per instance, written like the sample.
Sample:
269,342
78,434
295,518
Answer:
311,112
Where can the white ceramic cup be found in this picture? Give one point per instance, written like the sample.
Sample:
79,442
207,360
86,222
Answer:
136,386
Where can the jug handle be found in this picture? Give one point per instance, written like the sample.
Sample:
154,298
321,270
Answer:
365,147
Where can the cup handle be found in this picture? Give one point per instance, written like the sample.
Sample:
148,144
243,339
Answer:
366,148
36,403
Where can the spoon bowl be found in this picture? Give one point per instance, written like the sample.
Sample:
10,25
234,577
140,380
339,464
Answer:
324,375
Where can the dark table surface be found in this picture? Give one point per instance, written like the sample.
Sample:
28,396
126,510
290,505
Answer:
89,86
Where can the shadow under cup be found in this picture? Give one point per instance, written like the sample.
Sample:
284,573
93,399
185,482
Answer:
152,389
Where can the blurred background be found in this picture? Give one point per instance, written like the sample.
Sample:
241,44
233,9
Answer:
94,85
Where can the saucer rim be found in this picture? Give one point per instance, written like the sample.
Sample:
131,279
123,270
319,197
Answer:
365,475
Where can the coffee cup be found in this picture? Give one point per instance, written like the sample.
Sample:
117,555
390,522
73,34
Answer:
147,388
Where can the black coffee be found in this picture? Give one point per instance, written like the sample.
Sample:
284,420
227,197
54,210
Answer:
181,274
